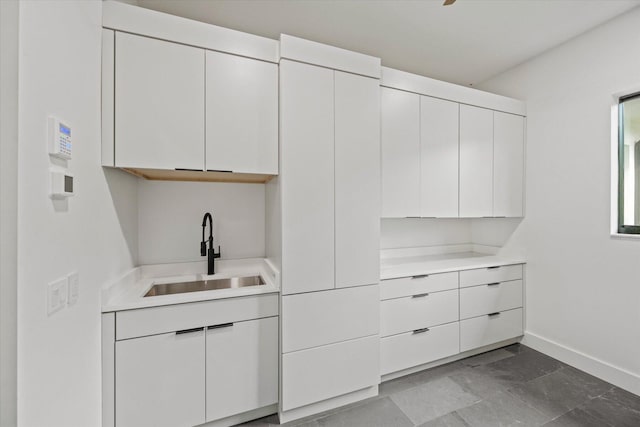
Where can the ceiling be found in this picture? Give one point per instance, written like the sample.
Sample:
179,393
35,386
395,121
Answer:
465,43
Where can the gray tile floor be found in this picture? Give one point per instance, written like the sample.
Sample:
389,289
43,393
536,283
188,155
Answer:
512,386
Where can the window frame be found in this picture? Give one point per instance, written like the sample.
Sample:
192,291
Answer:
620,229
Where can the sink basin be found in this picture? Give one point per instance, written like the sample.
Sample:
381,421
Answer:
203,285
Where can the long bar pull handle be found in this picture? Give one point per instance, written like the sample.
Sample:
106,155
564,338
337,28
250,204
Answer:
188,331
420,276
494,314
420,331
493,284
419,296
493,267
222,325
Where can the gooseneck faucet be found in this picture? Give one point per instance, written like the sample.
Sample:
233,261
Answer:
210,253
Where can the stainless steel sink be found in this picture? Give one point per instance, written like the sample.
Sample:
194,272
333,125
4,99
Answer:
203,285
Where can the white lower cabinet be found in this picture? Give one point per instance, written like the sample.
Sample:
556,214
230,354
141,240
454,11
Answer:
327,317
491,328
425,318
320,373
224,364
486,299
160,380
409,349
241,367
418,311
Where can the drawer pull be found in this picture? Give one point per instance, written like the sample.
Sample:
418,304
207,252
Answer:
222,325
493,314
188,331
419,296
420,331
493,284
420,276
493,267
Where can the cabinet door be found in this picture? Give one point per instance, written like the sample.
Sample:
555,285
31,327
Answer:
241,114
400,135
438,158
320,373
307,177
357,180
508,164
242,367
476,162
159,104
160,380
319,318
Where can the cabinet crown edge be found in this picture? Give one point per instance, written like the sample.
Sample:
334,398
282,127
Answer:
297,49
146,22
427,86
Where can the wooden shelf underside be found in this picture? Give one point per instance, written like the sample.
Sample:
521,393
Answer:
198,176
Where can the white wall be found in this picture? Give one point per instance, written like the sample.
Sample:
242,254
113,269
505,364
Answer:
170,220
59,370
583,287
414,232
8,208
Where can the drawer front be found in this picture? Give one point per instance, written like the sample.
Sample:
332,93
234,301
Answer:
482,276
410,313
171,318
320,373
412,349
484,299
326,317
407,286
485,330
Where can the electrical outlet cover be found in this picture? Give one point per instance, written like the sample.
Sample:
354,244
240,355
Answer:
57,295
74,288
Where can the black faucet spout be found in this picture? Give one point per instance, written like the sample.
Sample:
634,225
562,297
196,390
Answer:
210,253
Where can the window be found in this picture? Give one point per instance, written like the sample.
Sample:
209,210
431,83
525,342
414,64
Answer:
629,164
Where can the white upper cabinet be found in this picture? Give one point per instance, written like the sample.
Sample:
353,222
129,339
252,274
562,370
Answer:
241,114
159,99
400,136
476,162
508,165
438,158
357,180
307,177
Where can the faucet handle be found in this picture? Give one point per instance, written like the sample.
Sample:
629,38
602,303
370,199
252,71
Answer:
203,248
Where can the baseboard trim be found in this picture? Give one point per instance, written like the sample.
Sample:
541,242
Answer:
244,417
404,372
596,367
316,410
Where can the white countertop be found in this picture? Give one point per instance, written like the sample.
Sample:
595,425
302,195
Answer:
392,268
127,292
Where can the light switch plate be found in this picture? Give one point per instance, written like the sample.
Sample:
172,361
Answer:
57,295
74,288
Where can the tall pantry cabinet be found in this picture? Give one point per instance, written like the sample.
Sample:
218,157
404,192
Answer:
329,186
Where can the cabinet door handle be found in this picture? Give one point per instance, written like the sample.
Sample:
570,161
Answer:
420,276
222,325
493,267
420,331
494,314
188,331
419,296
493,284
